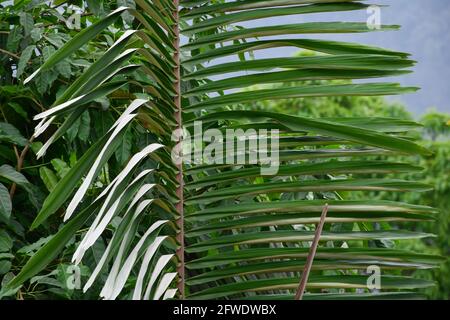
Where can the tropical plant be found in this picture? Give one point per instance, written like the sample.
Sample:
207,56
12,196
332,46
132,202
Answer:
433,135
202,231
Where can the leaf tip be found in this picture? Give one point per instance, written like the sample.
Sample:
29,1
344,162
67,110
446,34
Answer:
31,77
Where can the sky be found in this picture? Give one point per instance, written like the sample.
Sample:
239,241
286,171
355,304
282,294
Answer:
425,33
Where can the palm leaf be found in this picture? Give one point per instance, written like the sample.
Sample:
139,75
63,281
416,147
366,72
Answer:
221,230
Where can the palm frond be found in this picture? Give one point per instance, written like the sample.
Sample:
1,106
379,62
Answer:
221,230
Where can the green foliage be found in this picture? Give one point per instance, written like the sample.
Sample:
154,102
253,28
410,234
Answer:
107,100
434,135
436,174
27,38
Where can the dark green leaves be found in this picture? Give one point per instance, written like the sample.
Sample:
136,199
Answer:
323,46
315,282
310,186
286,76
307,206
10,134
367,89
5,202
331,167
337,62
351,133
78,41
323,254
65,187
298,236
51,249
221,20
302,28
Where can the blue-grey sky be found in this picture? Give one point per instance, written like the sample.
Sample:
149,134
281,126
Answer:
425,33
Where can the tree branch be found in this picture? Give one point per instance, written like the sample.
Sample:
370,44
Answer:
311,255
20,160
9,53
